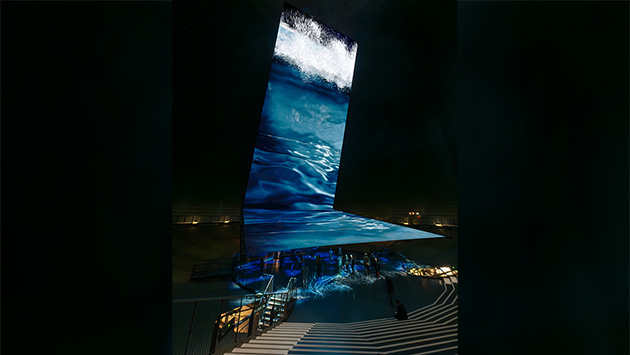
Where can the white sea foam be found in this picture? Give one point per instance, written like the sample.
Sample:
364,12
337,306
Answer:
307,47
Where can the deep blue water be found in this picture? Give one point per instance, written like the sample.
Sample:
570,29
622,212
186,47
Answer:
298,148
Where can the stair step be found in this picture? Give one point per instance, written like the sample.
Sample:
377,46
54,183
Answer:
333,352
341,342
285,325
430,330
300,345
271,341
293,336
288,332
267,346
259,351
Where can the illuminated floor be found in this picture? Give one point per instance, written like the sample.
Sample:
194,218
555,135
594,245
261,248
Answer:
365,300
341,296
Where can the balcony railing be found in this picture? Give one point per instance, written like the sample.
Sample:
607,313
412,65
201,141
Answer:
234,319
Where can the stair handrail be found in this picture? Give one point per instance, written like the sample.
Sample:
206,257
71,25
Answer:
269,287
264,295
291,289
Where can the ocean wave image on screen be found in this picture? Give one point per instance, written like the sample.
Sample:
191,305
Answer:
298,148
293,177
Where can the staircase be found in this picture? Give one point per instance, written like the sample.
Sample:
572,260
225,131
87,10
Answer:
279,306
429,330
275,311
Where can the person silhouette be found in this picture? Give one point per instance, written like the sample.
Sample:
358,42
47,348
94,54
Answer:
389,286
305,275
352,260
401,312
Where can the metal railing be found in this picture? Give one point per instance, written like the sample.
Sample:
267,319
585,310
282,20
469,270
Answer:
193,321
280,302
291,291
239,323
202,325
213,268
214,323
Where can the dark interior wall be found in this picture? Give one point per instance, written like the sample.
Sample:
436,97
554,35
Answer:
400,147
86,177
543,177
221,59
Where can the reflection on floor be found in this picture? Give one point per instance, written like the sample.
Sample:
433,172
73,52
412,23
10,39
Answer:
342,292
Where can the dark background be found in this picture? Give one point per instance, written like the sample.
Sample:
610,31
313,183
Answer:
92,116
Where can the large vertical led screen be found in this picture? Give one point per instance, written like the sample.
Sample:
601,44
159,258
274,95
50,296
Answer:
298,148
291,188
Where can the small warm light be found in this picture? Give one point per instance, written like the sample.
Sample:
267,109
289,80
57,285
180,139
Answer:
226,221
195,222
417,212
438,224
434,272
406,223
238,317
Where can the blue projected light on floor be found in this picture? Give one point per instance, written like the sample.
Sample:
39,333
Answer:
293,176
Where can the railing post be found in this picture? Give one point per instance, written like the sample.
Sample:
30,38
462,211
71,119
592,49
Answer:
240,308
243,248
213,344
251,322
192,320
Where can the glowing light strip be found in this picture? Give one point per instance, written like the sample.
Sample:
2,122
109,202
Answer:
448,315
444,306
265,346
425,329
328,351
360,341
265,341
379,321
423,346
384,347
443,311
397,326
320,334
412,323
430,311
420,341
437,350
415,312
